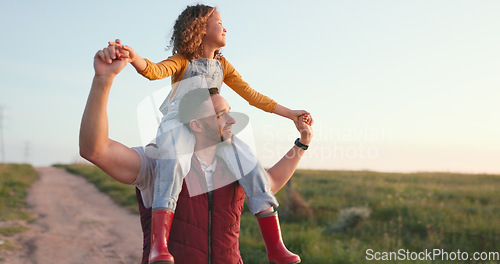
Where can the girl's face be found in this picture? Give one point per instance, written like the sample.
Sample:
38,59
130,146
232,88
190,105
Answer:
215,33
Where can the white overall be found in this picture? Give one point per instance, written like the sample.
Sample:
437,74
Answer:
176,144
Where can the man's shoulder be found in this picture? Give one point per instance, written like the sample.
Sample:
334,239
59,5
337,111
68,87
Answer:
147,152
148,162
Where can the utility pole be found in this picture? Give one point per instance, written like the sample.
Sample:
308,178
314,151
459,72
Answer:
2,144
27,152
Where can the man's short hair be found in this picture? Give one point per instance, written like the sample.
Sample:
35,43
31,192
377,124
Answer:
190,106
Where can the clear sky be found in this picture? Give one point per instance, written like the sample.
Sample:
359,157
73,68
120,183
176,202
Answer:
393,85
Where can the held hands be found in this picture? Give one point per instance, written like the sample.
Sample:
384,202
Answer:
129,54
304,126
295,117
109,62
124,50
112,59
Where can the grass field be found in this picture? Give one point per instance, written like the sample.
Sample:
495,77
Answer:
14,181
414,212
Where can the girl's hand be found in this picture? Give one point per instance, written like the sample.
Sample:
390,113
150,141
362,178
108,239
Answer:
308,119
296,114
124,51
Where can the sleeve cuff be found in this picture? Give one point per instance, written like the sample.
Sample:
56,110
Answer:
146,70
272,106
139,180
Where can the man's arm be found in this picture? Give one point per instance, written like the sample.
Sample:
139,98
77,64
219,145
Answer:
282,171
117,160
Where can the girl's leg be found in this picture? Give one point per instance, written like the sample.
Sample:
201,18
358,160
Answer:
166,191
271,233
261,201
168,185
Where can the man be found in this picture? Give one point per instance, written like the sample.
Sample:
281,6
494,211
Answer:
195,238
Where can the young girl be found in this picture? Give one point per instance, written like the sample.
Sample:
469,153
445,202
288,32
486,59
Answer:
197,62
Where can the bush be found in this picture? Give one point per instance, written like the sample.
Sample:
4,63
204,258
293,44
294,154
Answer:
350,218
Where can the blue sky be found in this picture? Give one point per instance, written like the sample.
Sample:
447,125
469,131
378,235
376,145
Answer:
393,85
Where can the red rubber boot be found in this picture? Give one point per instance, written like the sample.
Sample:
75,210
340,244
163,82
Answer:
161,221
271,233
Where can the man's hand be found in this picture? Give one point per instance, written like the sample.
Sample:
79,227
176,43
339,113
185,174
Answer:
305,129
109,61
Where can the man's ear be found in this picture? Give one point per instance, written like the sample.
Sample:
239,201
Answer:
196,125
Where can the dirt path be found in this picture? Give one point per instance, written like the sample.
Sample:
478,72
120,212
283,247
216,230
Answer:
76,224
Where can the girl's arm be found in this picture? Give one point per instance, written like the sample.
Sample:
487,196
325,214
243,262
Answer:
233,79
293,114
137,61
152,71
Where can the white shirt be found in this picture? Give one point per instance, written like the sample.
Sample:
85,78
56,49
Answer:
208,170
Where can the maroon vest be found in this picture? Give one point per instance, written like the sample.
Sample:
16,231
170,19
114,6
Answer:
204,226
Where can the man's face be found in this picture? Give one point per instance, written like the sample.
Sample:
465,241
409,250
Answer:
218,128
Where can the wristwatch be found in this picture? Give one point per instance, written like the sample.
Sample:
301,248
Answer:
300,145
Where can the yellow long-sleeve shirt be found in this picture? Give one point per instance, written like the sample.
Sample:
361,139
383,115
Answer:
175,66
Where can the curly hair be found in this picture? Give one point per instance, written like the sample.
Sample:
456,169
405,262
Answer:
187,36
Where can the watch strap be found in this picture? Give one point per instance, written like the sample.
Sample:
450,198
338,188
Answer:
300,145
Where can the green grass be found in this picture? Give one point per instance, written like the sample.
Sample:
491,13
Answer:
8,246
12,230
414,211
14,181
